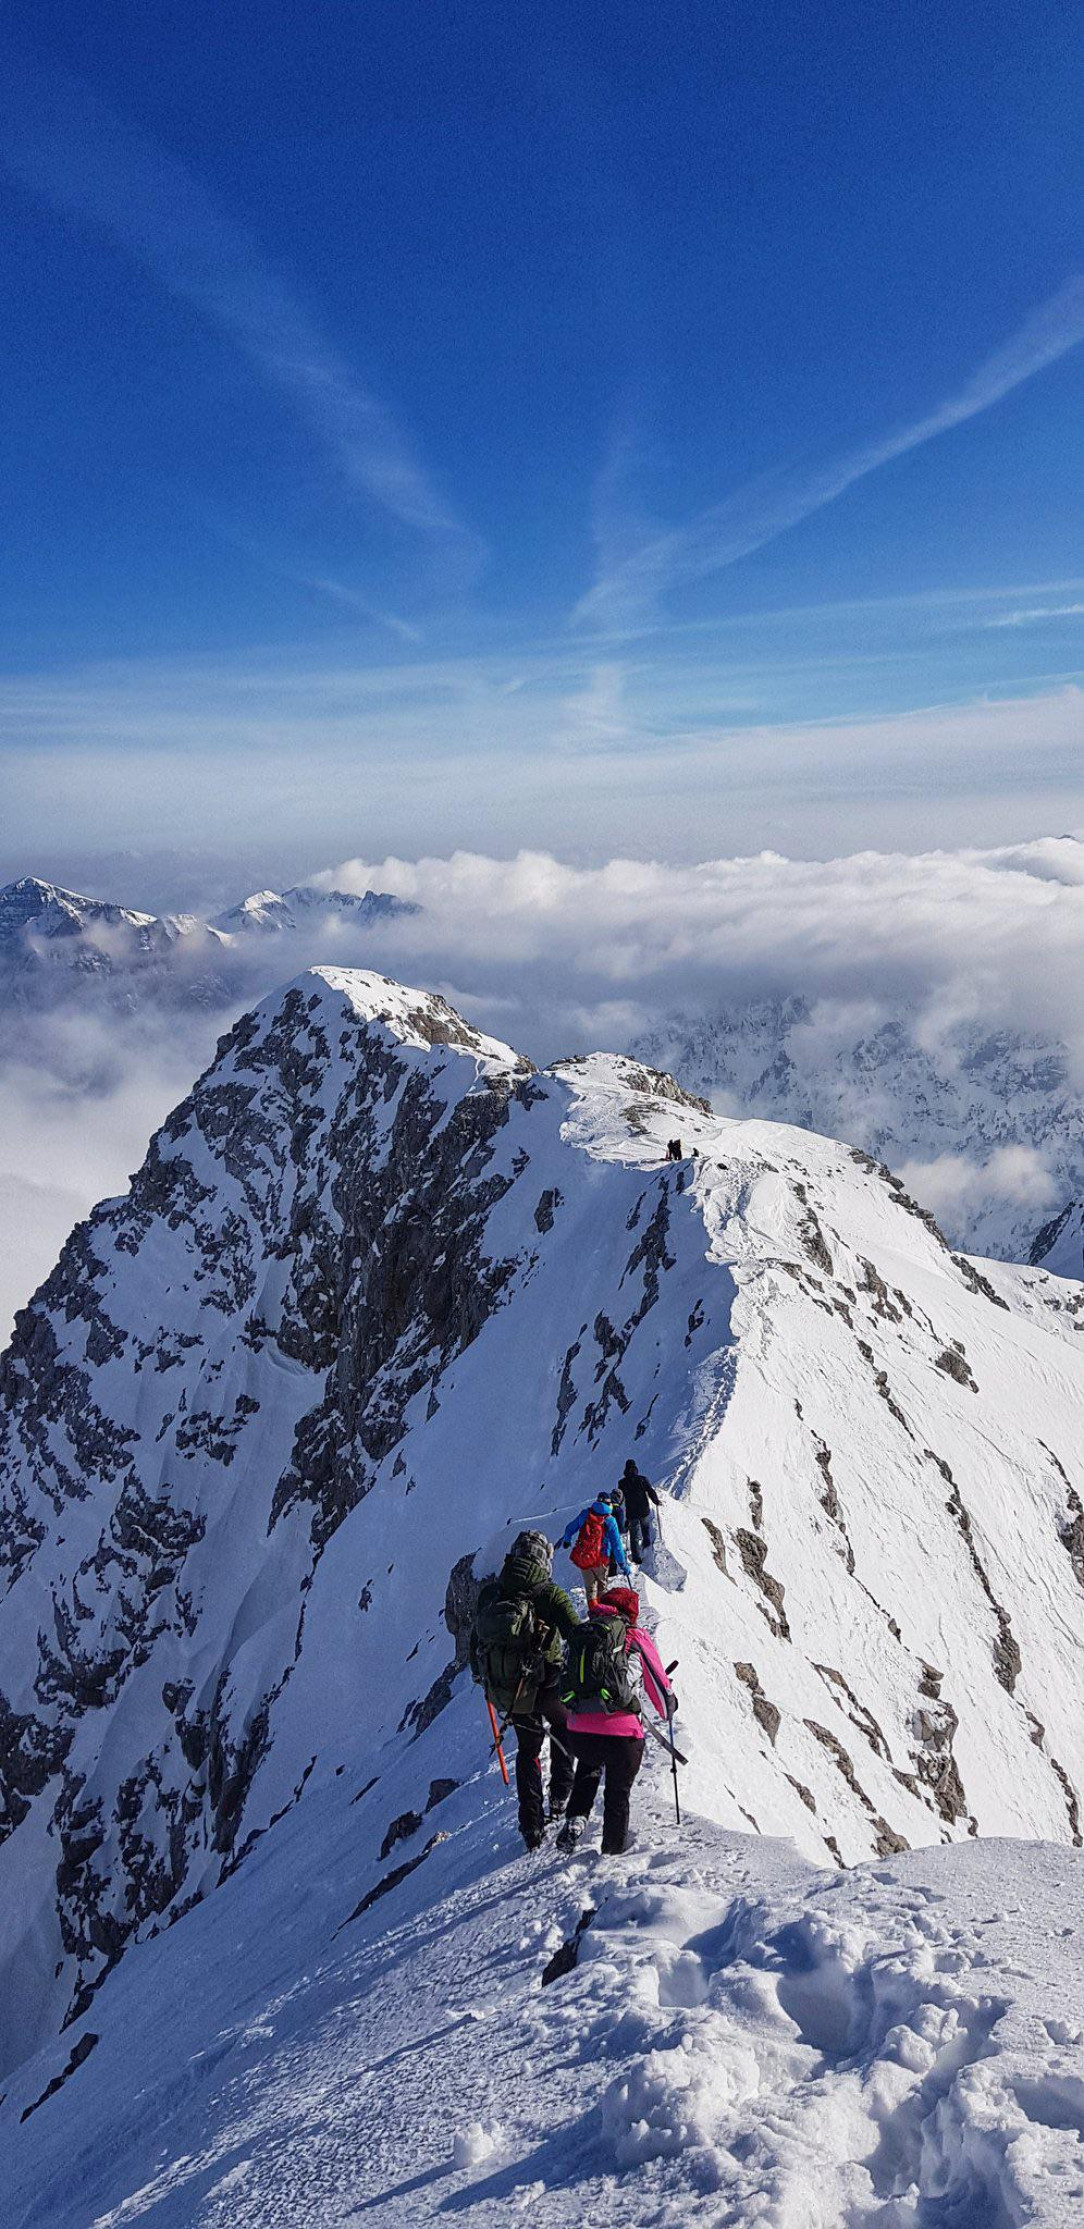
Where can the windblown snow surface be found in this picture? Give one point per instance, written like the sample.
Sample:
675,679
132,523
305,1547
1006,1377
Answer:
270,1952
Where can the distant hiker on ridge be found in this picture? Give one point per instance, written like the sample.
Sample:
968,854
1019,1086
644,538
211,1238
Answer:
595,1543
611,1660
517,1652
638,1494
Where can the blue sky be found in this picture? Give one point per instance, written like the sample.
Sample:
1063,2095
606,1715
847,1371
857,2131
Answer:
480,422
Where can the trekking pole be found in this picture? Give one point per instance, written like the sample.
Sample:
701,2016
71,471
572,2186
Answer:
673,1768
497,1741
669,1746
673,1748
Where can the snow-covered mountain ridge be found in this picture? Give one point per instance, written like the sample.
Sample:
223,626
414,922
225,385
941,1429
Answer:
381,1291
54,940
986,1124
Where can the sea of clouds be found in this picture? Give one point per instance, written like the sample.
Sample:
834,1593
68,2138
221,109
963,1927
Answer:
559,958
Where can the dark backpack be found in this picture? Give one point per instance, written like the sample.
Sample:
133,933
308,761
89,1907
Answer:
598,1675
587,1551
506,1653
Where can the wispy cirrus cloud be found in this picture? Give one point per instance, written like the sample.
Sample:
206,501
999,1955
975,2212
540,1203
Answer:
632,580
66,146
1037,613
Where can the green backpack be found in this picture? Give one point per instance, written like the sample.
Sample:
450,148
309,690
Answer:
505,1650
598,1675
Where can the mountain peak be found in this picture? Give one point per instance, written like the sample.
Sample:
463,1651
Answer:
46,908
423,1019
305,905
381,1294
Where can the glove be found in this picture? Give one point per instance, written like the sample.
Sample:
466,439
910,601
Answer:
671,1701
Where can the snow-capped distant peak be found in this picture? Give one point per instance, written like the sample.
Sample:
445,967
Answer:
267,912
50,910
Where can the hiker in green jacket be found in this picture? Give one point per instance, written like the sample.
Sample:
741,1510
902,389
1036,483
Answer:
517,1652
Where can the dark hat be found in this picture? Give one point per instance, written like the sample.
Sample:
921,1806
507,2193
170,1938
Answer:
534,1546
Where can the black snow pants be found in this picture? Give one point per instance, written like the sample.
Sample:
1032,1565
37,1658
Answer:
640,1536
530,1731
619,1757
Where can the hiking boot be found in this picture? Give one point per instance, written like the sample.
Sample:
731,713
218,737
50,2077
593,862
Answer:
570,1834
534,1838
556,1810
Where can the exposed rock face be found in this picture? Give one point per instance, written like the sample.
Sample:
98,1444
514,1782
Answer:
379,1295
310,1217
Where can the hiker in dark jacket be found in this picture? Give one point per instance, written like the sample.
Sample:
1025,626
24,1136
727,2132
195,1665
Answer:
522,1676
638,1493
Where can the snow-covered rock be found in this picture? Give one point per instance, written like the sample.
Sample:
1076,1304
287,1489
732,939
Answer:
379,1294
1059,1246
42,925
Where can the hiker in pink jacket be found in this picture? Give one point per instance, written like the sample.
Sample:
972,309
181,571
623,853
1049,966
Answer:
611,1665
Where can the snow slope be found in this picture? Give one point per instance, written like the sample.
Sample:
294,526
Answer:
742,2038
985,1124
379,1294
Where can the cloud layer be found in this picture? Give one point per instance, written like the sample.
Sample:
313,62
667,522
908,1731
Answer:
998,932
556,957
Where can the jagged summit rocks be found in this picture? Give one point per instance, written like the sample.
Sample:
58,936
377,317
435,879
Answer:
381,1292
1059,1246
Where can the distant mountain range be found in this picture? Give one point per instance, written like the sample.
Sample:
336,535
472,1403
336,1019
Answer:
269,911
49,935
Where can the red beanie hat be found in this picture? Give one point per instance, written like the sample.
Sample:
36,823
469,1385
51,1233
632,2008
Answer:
624,1599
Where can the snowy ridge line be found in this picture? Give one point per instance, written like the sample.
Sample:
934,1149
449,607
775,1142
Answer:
983,1121
42,924
377,1285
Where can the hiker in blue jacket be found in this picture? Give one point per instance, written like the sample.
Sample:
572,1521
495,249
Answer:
598,1544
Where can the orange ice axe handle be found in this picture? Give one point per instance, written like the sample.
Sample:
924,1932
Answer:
497,1741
